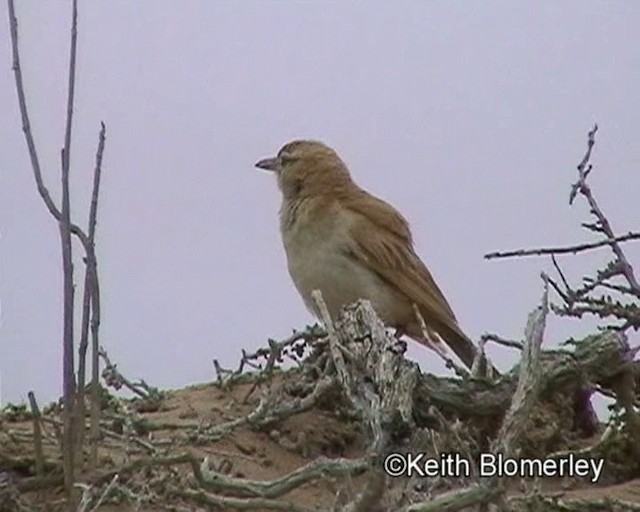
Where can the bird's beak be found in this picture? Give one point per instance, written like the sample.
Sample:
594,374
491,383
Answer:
269,164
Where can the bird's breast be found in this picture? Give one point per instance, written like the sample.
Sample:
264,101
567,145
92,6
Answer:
314,243
318,248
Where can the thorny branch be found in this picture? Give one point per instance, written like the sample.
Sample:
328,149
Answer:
382,388
571,249
292,347
624,383
580,301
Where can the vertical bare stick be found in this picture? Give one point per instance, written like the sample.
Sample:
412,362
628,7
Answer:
90,293
92,268
69,384
37,434
26,127
69,445
82,361
66,228
528,380
584,168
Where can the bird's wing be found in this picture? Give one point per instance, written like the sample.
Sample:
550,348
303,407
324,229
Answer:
381,239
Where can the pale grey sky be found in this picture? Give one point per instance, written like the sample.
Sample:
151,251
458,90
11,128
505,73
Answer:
468,116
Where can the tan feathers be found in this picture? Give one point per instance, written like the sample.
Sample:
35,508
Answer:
350,244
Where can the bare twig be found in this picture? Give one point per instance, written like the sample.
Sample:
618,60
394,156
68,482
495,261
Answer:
502,341
594,296
603,224
117,380
316,469
92,268
256,494
26,128
37,433
292,346
584,167
229,503
69,444
571,249
91,309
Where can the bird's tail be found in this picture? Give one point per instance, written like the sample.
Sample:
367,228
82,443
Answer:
463,347
455,339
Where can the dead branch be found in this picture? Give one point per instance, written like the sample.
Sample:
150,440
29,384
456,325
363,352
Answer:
580,301
69,447
571,249
37,434
273,408
377,380
501,341
396,403
73,432
602,223
529,380
26,128
228,503
114,378
316,469
91,310
255,494
293,347
525,395
373,372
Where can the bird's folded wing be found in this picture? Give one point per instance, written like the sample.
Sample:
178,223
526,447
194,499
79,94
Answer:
380,239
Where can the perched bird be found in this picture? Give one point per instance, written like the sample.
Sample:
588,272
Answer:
351,245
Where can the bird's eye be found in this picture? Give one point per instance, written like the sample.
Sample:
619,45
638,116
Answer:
287,158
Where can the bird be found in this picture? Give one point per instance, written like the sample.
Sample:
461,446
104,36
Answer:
349,244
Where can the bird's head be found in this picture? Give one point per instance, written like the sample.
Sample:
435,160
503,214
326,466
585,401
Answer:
306,166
